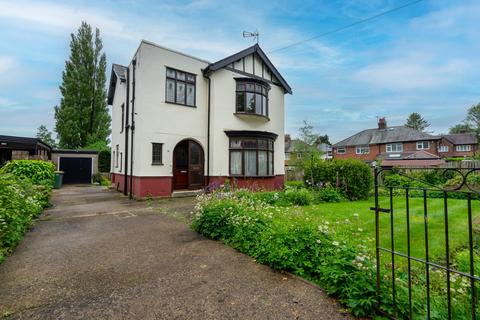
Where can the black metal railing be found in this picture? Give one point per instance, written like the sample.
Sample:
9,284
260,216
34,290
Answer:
466,187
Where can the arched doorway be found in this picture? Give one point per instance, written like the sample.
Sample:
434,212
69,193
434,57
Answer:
188,165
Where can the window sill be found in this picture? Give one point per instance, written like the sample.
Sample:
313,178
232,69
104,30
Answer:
251,177
157,164
181,104
246,116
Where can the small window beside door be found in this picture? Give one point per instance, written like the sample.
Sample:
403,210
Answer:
157,153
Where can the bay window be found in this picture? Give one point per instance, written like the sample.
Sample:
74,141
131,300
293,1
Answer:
251,156
252,97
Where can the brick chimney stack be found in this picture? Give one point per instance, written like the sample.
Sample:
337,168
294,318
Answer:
382,123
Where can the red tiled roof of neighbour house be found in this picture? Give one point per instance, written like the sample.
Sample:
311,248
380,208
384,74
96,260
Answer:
413,163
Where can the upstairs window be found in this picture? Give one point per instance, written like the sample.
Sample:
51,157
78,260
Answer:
362,150
423,145
394,147
180,87
157,153
252,97
123,118
463,148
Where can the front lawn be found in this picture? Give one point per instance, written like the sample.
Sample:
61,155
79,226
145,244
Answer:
333,245
359,215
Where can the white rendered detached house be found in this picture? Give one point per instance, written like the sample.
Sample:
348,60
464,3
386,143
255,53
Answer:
179,122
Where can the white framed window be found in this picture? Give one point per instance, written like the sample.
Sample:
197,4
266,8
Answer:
443,149
287,156
362,150
341,150
423,145
395,147
463,148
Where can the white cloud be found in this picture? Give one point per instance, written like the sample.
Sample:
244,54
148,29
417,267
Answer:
64,17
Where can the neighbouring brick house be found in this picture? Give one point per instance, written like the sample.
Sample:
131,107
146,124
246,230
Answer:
400,145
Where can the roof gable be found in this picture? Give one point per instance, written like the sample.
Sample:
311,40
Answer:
255,49
118,72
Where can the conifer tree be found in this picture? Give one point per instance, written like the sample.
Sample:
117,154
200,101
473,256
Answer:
416,121
82,117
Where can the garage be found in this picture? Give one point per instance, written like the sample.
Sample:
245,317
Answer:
78,166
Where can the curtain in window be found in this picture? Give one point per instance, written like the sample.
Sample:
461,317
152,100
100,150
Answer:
250,163
262,163
170,90
236,162
190,94
181,92
270,163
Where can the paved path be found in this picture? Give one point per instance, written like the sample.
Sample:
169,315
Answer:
97,255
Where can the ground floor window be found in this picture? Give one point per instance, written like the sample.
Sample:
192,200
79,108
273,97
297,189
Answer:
463,148
157,153
251,156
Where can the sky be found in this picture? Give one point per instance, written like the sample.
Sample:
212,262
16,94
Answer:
424,58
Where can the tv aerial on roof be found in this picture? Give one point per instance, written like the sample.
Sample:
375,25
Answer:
255,35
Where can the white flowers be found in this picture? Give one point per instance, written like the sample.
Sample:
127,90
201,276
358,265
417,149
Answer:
355,215
318,241
335,243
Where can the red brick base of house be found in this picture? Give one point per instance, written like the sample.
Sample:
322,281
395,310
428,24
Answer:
163,186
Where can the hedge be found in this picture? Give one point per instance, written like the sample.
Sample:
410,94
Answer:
36,171
353,177
25,189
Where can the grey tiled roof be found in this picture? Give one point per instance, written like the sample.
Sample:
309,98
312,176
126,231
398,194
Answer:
388,135
120,71
461,138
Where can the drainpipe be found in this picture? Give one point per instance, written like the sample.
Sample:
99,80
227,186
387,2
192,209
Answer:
127,127
208,130
134,63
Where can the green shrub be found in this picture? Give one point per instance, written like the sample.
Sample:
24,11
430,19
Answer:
101,179
290,242
353,177
301,197
328,194
20,201
294,184
104,160
36,171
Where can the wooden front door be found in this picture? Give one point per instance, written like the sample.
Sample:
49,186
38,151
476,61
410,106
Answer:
188,163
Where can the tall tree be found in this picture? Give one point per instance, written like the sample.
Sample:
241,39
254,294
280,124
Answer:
46,136
82,117
473,118
415,121
461,128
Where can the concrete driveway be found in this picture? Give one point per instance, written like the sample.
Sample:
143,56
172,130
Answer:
98,255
